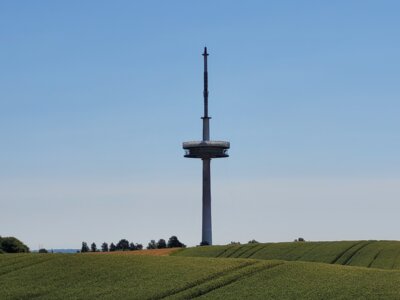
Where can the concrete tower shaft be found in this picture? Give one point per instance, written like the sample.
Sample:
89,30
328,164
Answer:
206,150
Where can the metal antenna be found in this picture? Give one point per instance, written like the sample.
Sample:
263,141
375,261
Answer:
206,118
205,91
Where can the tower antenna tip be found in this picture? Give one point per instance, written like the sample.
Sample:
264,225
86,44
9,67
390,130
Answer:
205,52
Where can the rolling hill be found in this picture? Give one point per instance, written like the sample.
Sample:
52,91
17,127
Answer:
121,276
370,254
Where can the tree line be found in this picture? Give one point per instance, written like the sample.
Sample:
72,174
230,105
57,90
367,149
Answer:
125,245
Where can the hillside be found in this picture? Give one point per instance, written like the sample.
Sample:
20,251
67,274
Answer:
115,276
370,254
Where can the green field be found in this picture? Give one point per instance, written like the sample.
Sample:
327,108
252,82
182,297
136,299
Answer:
370,254
116,276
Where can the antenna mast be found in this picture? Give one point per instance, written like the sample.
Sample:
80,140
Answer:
206,118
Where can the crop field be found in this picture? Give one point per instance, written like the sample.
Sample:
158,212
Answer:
370,254
121,276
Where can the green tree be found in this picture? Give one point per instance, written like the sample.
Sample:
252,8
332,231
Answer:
173,242
104,247
132,247
43,250
93,247
123,245
152,245
139,246
161,244
112,247
85,247
12,245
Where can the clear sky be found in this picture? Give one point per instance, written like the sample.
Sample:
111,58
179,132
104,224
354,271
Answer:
96,98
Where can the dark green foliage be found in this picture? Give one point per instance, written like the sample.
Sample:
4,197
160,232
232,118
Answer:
93,247
84,247
161,244
152,245
253,242
173,242
112,247
300,239
43,250
132,247
104,247
123,245
139,246
12,245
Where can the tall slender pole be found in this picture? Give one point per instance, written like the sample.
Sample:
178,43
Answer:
206,118
206,218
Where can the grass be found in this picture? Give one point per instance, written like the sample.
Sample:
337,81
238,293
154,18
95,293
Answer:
74,276
120,276
369,254
303,280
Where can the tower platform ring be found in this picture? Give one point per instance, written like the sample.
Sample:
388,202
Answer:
206,149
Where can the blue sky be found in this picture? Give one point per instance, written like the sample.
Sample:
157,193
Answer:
97,96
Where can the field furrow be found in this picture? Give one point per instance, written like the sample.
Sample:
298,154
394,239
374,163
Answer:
346,257
202,281
344,252
224,281
255,250
26,264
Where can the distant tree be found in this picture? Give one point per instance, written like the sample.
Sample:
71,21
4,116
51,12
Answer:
235,243
204,243
123,245
152,245
112,247
93,247
104,247
161,244
139,247
173,242
84,248
253,241
300,239
12,245
43,250
132,247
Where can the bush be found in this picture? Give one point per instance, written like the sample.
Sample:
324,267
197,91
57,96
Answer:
173,242
43,250
253,242
12,245
300,239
